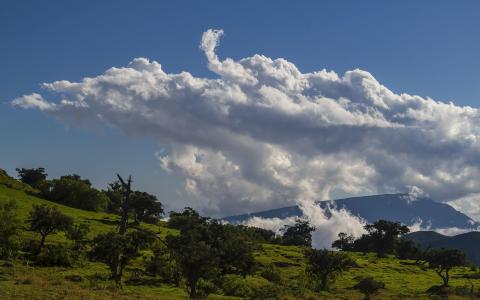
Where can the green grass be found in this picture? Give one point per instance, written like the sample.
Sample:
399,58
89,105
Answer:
403,279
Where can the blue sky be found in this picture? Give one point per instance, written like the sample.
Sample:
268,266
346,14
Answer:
428,49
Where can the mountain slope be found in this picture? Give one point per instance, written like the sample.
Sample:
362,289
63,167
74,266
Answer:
394,207
467,242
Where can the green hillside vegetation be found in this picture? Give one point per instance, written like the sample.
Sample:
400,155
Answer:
279,273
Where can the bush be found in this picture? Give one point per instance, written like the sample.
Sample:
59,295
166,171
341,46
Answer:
369,286
163,265
8,229
249,287
73,191
271,273
55,255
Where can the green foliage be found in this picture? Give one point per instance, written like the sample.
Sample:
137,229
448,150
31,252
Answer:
206,249
299,234
345,242
249,287
9,224
323,266
73,191
443,260
55,255
47,219
146,207
163,264
385,235
117,250
32,177
369,286
408,249
271,273
235,250
78,235
195,256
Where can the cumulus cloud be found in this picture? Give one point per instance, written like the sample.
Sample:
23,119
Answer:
263,134
328,223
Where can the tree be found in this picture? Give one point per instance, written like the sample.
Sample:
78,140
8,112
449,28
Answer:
8,229
33,177
117,250
45,220
78,235
115,194
195,257
408,249
323,266
146,207
443,260
369,286
384,235
73,191
235,250
299,234
163,264
344,242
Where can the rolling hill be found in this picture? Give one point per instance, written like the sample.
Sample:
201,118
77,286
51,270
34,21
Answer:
394,207
23,280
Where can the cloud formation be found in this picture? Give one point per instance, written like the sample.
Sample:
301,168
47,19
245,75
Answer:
262,134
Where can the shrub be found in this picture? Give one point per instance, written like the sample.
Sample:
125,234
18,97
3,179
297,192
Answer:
369,286
8,229
55,255
249,287
271,273
163,265
76,192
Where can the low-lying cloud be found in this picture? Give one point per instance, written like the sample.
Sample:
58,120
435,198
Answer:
262,134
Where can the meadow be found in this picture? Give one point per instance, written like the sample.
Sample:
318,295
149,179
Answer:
280,268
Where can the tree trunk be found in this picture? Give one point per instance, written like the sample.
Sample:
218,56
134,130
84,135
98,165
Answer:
324,282
193,289
125,204
42,243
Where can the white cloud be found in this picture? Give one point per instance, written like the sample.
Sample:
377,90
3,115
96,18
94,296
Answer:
263,134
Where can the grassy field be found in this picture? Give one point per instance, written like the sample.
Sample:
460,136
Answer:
22,280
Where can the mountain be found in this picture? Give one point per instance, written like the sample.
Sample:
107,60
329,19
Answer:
394,207
467,242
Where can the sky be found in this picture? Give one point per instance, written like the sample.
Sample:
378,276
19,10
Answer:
255,123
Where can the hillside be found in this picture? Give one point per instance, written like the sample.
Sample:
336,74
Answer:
24,281
467,242
394,207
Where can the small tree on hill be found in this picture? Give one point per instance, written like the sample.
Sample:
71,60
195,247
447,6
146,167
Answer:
299,234
195,257
78,235
117,250
47,219
33,177
369,286
443,260
408,249
324,266
73,191
8,229
344,242
146,207
384,235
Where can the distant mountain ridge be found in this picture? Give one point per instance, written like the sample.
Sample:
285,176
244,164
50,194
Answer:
467,242
393,207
